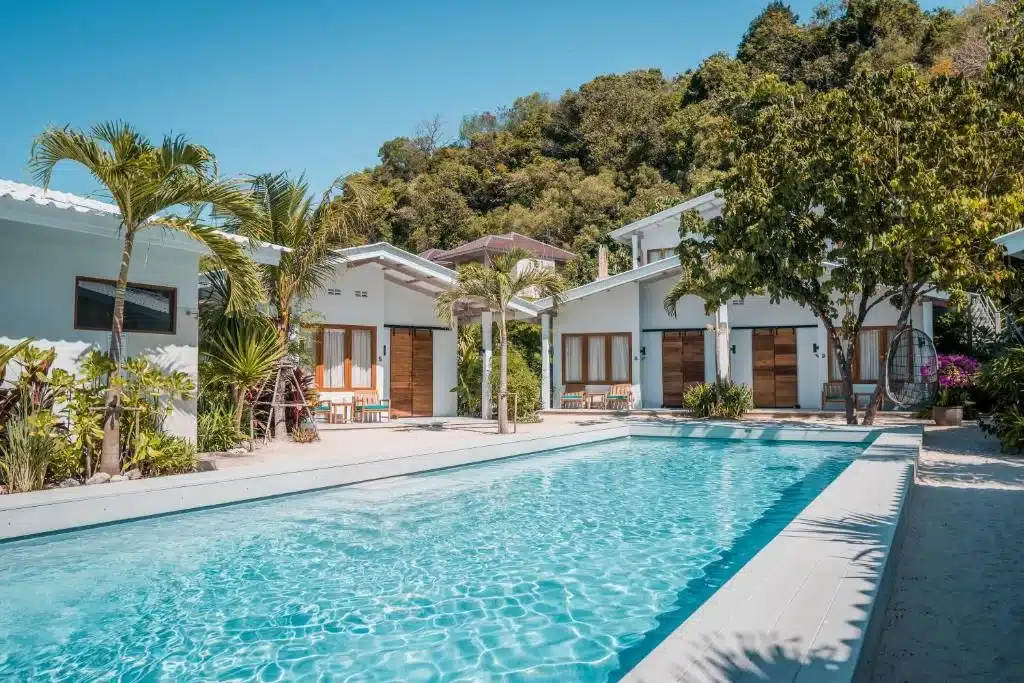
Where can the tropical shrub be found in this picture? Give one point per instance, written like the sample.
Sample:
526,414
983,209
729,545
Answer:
29,445
956,379
159,453
304,434
521,382
217,431
1002,381
718,399
242,354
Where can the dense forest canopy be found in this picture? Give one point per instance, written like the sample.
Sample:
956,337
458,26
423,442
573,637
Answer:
623,146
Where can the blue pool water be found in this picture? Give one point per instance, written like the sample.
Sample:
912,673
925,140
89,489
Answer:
565,566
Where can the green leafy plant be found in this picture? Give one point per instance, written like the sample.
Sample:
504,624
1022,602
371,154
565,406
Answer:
159,453
718,399
304,434
1002,381
217,431
242,354
29,445
522,383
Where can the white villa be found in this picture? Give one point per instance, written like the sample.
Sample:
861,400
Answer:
616,331
58,255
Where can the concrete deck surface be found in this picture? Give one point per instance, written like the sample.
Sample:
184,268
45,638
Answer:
956,607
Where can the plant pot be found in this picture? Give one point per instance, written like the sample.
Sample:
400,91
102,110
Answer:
948,416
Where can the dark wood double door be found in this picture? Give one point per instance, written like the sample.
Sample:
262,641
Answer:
412,372
682,364
775,367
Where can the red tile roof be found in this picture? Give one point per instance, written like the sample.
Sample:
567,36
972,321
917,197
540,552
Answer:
499,244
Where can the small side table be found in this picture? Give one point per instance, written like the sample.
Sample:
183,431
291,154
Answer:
593,398
341,412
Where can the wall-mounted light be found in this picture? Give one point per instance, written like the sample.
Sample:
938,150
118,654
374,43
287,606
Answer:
814,346
643,352
733,349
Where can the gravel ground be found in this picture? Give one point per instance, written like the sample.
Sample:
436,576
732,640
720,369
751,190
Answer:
956,610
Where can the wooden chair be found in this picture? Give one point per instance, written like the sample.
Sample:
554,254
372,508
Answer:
322,410
573,396
367,404
832,392
620,397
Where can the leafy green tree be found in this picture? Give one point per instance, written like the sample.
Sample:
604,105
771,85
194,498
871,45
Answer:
775,42
493,288
145,181
242,354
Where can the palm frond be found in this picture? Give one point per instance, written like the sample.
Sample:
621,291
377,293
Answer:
55,145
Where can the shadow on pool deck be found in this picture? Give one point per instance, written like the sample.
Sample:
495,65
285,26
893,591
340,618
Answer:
763,656
956,610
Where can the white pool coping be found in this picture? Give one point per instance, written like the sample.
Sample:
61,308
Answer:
800,610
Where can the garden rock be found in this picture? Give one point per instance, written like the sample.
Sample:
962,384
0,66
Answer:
206,465
237,451
68,483
98,478
133,474
119,477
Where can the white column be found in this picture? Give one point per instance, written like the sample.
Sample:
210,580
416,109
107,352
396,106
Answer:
486,325
636,250
545,361
722,340
928,318
823,361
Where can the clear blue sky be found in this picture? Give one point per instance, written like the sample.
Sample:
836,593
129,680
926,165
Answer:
318,85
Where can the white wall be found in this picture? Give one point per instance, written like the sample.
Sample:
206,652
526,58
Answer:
741,367
38,267
689,311
388,303
613,310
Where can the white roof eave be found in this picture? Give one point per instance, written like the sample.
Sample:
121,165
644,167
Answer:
704,202
649,272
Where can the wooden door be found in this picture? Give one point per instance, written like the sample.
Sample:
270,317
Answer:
422,373
775,368
401,371
682,364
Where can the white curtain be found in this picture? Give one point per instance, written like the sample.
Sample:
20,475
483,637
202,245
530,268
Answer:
869,355
620,358
834,372
334,358
573,359
595,360
362,359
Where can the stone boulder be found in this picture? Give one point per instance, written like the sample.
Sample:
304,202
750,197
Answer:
68,483
133,474
98,478
118,477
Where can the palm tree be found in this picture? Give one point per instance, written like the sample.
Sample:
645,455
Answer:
144,181
494,288
312,230
243,353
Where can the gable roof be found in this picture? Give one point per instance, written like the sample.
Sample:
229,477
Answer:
651,271
63,210
501,244
708,205
414,272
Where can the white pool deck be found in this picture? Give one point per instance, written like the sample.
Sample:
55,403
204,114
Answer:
804,609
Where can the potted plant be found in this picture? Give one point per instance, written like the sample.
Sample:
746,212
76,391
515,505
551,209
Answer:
956,376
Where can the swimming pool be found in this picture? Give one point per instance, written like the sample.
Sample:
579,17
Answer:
564,566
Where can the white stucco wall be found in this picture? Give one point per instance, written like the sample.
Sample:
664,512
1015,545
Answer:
388,303
613,310
38,267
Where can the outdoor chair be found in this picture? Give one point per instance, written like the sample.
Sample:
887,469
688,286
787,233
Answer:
620,397
368,404
573,396
322,411
832,392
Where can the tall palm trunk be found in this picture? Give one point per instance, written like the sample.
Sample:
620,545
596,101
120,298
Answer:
239,392
110,454
503,427
280,414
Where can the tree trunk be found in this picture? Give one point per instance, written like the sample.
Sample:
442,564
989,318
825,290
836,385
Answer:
281,414
851,399
239,406
883,375
110,455
503,427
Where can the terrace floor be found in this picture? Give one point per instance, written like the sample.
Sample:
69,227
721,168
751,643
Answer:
956,608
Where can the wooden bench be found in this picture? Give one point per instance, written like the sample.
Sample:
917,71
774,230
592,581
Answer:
367,404
832,392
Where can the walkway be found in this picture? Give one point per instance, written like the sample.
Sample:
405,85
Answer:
956,611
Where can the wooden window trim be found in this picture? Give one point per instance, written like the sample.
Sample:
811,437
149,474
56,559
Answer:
172,292
663,254
883,347
348,357
587,379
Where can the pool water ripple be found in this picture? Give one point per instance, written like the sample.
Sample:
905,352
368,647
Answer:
557,567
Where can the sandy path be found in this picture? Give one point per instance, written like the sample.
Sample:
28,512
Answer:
956,611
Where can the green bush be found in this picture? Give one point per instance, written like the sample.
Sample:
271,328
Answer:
159,453
29,445
217,431
521,381
66,463
719,399
1002,381
304,434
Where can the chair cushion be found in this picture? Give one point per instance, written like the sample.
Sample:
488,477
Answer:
618,397
570,397
374,406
